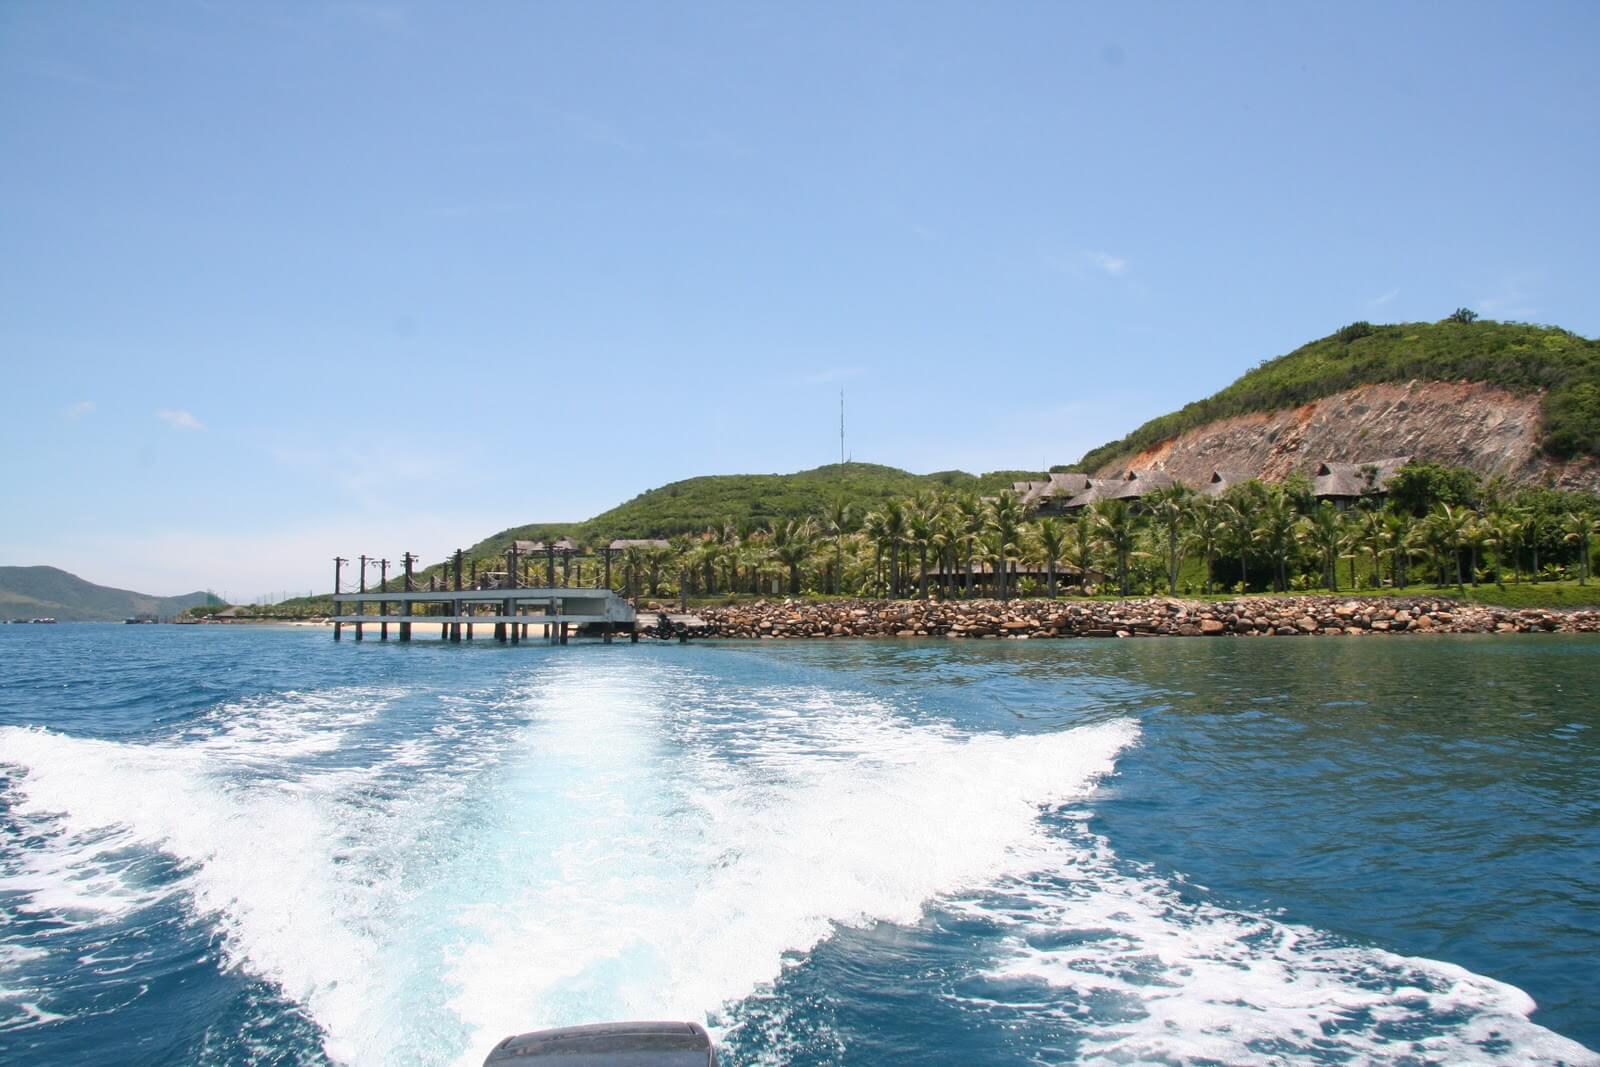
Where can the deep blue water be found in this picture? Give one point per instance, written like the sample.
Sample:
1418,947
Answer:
230,845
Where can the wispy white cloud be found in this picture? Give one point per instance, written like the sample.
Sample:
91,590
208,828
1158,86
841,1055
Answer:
78,410
1116,266
833,374
180,420
1380,301
1511,299
370,476
1086,262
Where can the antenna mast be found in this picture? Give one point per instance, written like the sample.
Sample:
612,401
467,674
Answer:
841,427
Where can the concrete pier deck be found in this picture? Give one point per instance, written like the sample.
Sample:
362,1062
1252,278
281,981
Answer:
558,610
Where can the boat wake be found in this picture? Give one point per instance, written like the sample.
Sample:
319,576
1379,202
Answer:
423,873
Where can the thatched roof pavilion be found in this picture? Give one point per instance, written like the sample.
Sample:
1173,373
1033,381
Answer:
1097,490
1345,483
1138,484
1052,496
1223,479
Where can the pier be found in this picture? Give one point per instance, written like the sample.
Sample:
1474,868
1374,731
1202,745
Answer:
513,613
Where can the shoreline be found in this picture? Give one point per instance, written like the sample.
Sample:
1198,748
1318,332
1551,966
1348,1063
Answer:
1305,615
1288,616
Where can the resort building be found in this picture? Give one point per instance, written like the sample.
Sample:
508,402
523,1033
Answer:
1097,490
1223,479
1346,483
1052,497
1343,484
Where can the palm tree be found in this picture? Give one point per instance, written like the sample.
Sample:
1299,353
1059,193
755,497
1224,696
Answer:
1578,529
1480,537
755,554
656,557
1399,534
894,535
948,533
988,548
969,509
1274,529
1005,523
1206,532
791,546
875,528
684,549
1324,529
728,550
1532,531
1050,537
1510,530
1240,531
1117,531
1447,534
838,521
1083,545
1169,513
921,528
633,564
1369,534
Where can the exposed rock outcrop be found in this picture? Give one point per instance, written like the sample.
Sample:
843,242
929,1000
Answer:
1469,424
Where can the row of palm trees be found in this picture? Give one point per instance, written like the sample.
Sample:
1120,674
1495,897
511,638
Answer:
961,544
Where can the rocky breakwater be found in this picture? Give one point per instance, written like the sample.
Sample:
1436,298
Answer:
1298,616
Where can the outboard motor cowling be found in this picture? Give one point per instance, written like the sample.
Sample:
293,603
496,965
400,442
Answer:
641,1044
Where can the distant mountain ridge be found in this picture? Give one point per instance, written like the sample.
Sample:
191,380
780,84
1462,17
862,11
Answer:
50,592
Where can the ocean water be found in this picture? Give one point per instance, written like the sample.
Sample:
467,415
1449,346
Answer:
253,846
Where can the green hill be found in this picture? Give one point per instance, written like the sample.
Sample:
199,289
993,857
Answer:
695,503
1516,356
34,592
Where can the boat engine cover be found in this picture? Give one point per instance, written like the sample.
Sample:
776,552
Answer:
637,1044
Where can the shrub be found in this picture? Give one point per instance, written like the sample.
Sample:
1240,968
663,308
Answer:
1354,332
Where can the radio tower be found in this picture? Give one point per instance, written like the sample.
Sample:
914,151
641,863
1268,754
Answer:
841,427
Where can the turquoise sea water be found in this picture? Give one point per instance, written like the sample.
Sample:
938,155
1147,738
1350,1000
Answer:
255,846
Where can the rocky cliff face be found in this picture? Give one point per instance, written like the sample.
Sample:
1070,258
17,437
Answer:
1468,424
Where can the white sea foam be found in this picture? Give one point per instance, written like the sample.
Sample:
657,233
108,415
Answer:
614,841
1175,979
677,884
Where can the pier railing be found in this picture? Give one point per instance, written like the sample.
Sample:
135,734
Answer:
557,611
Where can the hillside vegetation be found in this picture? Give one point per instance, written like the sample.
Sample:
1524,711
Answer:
1512,355
35,592
747,501
694,503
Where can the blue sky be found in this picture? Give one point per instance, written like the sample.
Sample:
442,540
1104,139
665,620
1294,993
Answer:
283,280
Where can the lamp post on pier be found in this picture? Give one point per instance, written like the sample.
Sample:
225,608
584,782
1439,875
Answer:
338,566
361,605
407,560
383,605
